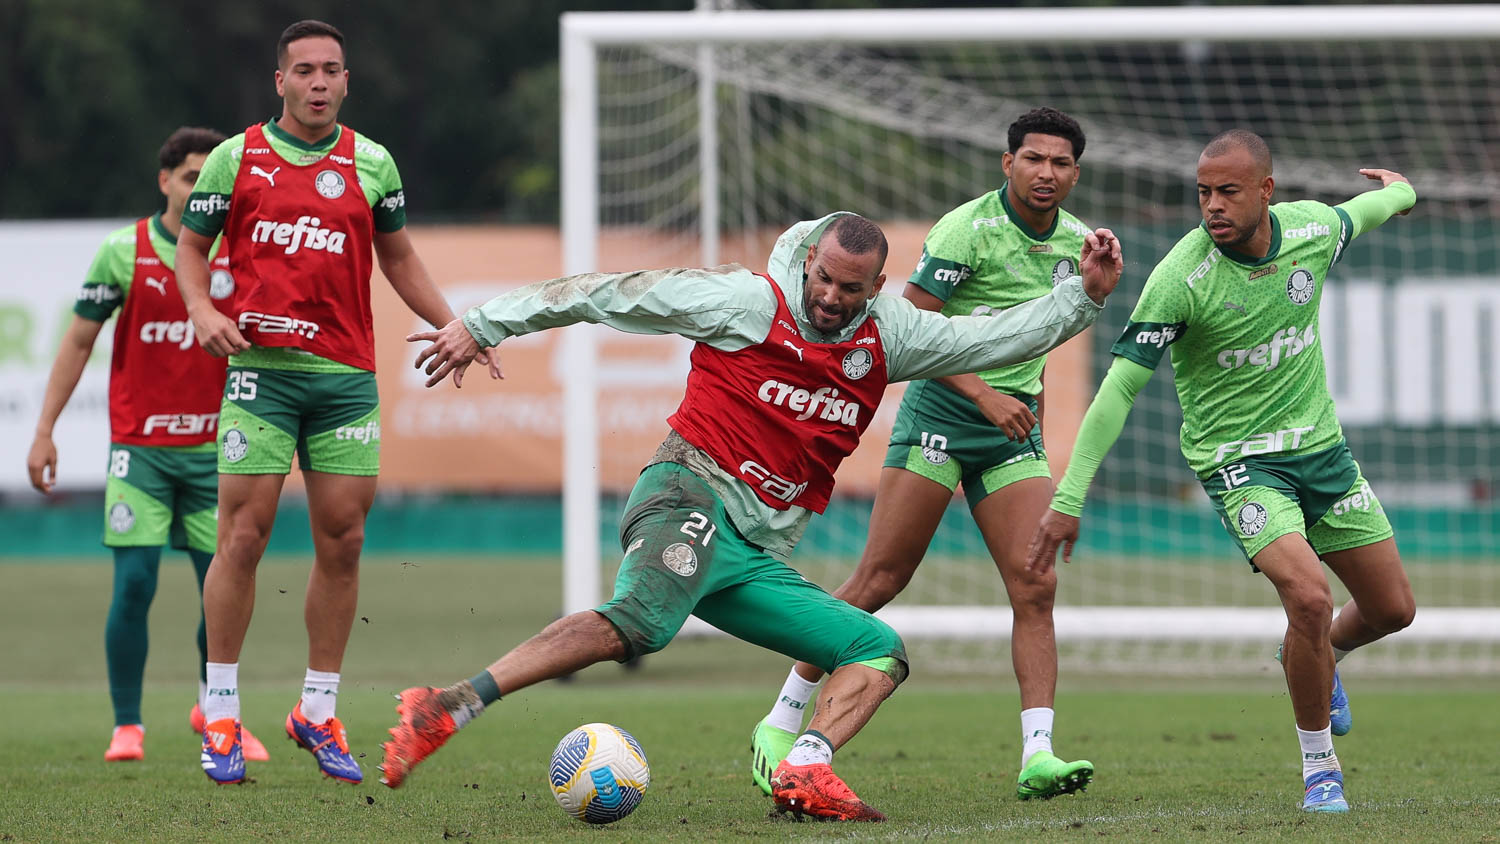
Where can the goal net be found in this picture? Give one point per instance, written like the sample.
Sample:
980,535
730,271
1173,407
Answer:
694,138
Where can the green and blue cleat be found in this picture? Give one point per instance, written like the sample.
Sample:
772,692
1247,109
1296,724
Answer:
1046,776
1340,718
768,747
1325,793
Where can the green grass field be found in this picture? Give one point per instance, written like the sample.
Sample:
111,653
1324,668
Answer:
1175,761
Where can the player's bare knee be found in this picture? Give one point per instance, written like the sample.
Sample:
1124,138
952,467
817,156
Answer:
1391,617
1032,595
878,586
1309,609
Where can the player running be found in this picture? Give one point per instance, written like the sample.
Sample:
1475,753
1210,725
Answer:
1237,302
1009,246
787,372
161,482
301,200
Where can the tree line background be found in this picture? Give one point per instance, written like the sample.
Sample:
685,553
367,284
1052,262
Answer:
464,94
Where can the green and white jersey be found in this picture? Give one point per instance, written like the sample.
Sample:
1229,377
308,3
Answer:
1244,336
980,258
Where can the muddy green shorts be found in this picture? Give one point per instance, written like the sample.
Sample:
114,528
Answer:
160,494
683,557
331,420
943,437
1322,496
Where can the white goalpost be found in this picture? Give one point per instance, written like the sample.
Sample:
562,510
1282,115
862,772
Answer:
695,137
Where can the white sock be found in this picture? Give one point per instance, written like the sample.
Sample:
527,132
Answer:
202,696
221,695
1338,655
791,704
320,695
1317,751
1036,732
811,749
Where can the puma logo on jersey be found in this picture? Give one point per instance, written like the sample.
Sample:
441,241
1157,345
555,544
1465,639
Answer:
270,177
305,232
1230,306
793,347
159,283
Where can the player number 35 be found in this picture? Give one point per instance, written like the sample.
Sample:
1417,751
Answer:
241,386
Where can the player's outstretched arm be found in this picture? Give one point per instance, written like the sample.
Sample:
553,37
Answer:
403,268
72,357
453,349
1368,210
217,333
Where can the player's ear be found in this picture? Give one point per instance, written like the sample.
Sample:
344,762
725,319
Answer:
1267,188
280,84
879,283
163,179
1006,159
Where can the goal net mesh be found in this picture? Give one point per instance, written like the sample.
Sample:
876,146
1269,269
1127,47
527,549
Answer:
902,133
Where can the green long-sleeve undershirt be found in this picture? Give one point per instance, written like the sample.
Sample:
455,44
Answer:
1106,415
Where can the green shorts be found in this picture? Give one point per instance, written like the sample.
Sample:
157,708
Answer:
942,436
1321,496
330,419
157,494
683,557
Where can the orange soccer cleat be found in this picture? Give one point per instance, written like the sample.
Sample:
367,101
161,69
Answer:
816,790
128,744
424,727
250,745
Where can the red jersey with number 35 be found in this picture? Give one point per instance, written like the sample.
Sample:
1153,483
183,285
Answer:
163,388
300,245
782,415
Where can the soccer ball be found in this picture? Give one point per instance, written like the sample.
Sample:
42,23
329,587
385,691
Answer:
599,773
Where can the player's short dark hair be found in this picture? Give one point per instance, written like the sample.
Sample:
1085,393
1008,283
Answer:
307,29
1244,139
1046,121
186,141
857,235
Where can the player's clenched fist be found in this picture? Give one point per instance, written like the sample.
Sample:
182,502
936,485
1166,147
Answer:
1101,264
217,333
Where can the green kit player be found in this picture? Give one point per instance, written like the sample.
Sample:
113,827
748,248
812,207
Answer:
163,412
1236,301
1004,248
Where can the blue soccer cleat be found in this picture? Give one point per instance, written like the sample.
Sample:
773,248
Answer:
1340,718
1325,793
223,752
328,743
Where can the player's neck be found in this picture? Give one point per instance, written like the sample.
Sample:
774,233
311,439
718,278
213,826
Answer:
301,131
171,220
1258,246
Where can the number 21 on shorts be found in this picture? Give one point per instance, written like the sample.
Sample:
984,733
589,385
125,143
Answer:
695,524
